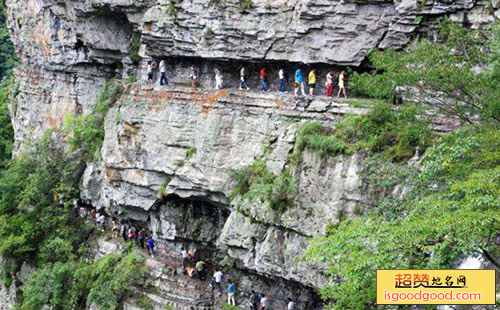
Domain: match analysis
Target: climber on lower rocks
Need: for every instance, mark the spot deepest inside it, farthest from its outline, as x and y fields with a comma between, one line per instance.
x=151, y=246
x=200, y=270
x=230, y=293
x=217, y=280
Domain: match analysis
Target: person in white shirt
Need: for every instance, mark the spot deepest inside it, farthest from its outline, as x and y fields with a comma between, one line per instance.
x=291, y=304
x=185, y=259
x=243, y=79
x=264, y=301
x=281, y=75
x=193, y=76
x=217, y=280
x=163, y=72
x=218, y=78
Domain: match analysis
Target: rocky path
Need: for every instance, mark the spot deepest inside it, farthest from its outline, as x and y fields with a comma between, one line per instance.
x=169, y=286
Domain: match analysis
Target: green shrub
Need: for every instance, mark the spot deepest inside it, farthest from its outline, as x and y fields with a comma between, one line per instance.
x=171, y=8
x=257, y=183
x=144, y=303
x=131, y=79
x=246, y=4
x=105, y=282
x=28, y=190
x=7, y=280
x=56, y=250
x=229, y=263
x=190, y=152
x=163, y=188
x=134, y=48
x=318, y=138
x=225, y=306
x=395, y=133
x=8, y=57
x=208, y=32
x=87, y=131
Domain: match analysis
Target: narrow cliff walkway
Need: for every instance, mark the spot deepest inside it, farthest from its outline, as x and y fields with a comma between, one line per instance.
x=169, y=286
x=318, y=107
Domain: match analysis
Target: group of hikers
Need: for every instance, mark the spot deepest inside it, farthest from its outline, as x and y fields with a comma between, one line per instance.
x=194, y=268
x=129, y=232
x=299, y=81
x=199, y=269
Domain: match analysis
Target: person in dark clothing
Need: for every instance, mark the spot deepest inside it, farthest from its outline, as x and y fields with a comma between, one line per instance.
x=141, y=236
x=163, y=73
x=254, y=300
x=123, y=231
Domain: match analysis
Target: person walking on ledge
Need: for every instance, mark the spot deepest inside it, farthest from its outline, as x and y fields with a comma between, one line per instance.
x=263, y=78
x=184, y=259
x=163, y=72
x=312, y=82
x=329, y=84
x=254, y=300
x=218, y=77
x=299, y=83
x=281, y=75
x=264, y=302
x=141, y=236
x=193, y=76
x=342, y=85
x=150, y=72
x=243, y=79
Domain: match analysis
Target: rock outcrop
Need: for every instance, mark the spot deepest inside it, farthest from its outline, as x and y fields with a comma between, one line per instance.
x=227, y=131
x=68, y=49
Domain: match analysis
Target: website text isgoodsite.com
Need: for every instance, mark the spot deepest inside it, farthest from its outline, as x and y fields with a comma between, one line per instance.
x=420, y=296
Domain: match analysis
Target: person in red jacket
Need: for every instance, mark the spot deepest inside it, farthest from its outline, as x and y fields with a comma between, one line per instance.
x=263, y=79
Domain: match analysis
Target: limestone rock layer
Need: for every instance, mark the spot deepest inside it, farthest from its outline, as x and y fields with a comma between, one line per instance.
x=67, y=49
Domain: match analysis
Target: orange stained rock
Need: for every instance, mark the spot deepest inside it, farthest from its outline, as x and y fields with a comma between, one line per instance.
x=279, y=102
x=43, y=41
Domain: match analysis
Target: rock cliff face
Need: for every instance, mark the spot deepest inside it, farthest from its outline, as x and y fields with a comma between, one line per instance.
x=68, y=49
x=147, y=135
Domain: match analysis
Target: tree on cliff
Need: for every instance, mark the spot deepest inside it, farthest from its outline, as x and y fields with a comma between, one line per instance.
x=7, y=61
x=450, y=208
x=8, y=58
x=459, y=75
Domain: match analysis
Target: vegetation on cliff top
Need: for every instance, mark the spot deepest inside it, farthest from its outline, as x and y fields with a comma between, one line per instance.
x=394, y=133
x=464, y=67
